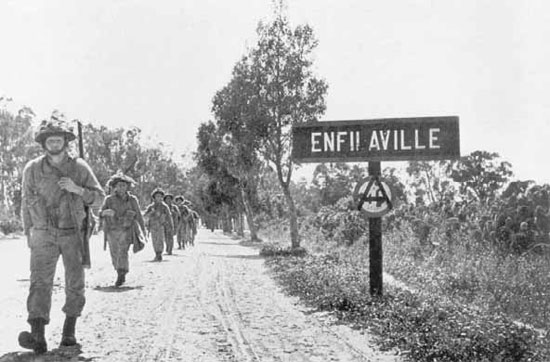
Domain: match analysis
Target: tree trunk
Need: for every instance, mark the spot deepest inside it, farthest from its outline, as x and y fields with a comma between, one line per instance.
x=292, y=217
x=249, y=216
x=226, y=220
x=239, y=224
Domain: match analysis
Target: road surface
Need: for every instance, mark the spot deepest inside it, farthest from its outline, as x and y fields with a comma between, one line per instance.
x=212, y=302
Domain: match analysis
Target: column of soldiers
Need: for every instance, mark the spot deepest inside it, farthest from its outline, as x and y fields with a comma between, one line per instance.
x=57, y=192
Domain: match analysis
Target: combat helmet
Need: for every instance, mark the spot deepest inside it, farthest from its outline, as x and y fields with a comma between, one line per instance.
x=120, y=177
x=179, y=198
x=55, y=126
x=167, y=195
x=158, y=190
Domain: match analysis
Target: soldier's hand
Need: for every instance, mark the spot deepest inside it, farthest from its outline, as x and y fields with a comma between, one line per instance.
x=66, y=183
x=108, y=212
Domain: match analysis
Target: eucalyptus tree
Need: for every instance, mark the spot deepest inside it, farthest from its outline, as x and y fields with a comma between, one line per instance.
x=17, y=146
x=288, y=93
x=223, y=189
x=482, y=174
x=236, y=111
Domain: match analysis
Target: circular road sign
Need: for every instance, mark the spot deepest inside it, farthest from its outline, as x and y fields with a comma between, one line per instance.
x=371, y=199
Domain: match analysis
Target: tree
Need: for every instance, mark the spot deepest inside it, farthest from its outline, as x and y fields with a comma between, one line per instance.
x=288, y=93
x=482, y=174
x=235, y=109
x=222, y=190
x=17, y=146
x=431, y=179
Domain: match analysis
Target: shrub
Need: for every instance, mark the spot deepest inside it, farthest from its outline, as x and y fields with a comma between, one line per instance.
x=427, y=328
x=10, y=225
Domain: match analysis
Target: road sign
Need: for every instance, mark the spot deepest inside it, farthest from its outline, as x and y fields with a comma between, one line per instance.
x=374, y=196
x=389, y=139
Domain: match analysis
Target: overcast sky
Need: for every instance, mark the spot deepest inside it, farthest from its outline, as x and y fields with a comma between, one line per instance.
x=157, y=64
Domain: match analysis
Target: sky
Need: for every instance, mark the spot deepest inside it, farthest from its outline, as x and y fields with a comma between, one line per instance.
x=157, y=65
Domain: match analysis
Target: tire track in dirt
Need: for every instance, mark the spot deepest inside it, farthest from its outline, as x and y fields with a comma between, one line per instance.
x=232, y=320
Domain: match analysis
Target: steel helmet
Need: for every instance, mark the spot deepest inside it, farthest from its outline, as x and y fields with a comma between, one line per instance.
x=55, y=126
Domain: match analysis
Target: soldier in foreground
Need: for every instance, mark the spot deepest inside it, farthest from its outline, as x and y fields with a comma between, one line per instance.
x=159, y=222
x=122, y=218
x=56, y=188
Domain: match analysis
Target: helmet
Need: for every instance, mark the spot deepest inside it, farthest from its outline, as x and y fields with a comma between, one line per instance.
x=55, y=126
x=120, y=177
x=168, y=195
x=179, y=198
x=158, y=190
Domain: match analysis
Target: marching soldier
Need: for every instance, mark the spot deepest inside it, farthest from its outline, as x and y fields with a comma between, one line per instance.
x=121, y=216
x=181, y=228
x=56, y=188
x=169, y=237
x=159, y=219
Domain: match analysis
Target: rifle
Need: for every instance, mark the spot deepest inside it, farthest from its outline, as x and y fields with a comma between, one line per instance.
x=87, y=226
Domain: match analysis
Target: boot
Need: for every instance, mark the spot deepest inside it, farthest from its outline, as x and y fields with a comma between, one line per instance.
x=68, y=339
x=121, y=279
x=158, y=256
x=34, y=340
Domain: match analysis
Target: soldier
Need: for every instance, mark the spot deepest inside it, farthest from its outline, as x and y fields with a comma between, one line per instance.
x=193, y=223
x=175, y=221
x=159, y=219
x=121, y=214
x=55, y=190
x=181, y=229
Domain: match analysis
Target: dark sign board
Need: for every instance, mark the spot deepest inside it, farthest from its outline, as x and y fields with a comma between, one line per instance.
x=389, y=139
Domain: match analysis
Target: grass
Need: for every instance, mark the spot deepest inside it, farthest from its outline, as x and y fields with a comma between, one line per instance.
x=465, y=304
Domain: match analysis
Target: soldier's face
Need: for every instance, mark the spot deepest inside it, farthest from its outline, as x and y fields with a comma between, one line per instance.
x=55, y=145
x=158, y=197
x=121, y=188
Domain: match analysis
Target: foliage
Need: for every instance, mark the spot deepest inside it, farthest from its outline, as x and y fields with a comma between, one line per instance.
x=424, y=328
x=482, y=174
x=16, y=148
x=289, y=93
x=341, y=222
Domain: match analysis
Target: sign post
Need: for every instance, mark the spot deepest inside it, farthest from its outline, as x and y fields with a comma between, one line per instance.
x=390, y=139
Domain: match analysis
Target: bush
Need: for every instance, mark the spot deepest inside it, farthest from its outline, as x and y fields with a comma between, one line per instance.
x=340, y=222
x=10, y=225
x=428, y=329
x=271, y=250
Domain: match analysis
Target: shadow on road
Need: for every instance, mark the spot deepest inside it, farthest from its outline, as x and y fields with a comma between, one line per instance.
x=113, y=289
x=252, y=257
x=65, y=354
x=217, y=243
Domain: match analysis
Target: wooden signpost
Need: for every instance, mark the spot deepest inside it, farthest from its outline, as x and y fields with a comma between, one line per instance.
x=373, y=141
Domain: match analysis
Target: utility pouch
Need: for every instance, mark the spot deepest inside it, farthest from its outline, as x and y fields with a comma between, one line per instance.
x=128, y=218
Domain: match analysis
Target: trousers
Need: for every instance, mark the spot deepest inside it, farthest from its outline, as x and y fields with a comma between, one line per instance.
x=119, y=244
x=46, y=247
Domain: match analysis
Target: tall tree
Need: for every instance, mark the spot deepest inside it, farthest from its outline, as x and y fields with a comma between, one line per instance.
x=17, y=146
x=289, y=93
x=482, y=174
x=235, y=110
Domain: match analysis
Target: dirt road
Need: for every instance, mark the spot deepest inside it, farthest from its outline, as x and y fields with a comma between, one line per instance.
x=212, y=302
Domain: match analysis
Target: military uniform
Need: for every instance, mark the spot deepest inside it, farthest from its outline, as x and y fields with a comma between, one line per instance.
x=119, y=224
x=53, y=217
x=181, y=227
x=169, y=237
x=159, y=221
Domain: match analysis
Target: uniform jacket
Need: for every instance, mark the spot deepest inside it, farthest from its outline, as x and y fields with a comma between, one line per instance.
x=45, y=205
x=159, y=215
x=126, y=210
x=176, y=217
